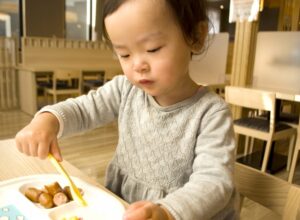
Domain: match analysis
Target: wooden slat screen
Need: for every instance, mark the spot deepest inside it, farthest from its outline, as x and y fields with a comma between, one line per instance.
x=8, y=75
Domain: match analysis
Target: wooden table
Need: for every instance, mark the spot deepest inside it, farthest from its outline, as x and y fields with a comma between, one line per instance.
x=288, y=94
x=14, y=164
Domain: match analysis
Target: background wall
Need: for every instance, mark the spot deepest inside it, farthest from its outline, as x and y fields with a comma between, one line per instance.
x=44, y=18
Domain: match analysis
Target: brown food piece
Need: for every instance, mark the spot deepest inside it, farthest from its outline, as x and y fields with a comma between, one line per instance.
x=67, y=191
x=33, y=194
x=46, y=200
x=60, y=198
x=53, y=188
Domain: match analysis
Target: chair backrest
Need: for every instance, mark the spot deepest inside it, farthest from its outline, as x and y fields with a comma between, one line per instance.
x=72, y=76
x=269, y=191
x=43, y=76
x=93, y=75
x=253, y=99
x=218, y=89
x=250, y=98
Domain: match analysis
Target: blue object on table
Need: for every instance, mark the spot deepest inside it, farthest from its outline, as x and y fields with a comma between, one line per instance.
x=12, y=213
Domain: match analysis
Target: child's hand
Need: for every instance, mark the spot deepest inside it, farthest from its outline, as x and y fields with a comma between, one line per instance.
x=39, y=137
x=144, y=210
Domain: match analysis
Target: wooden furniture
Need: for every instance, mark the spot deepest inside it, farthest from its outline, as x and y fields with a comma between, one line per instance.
x=92, y=80
x=218, y=89
x=14, y=164
x=295, y=156
x=43, y=80
x=8, y=76
x=293, y=95
x=256, y=127
x=28, y=88
x=65, y=82
x=269, y=191
x=51, y=54
x=59, y=53
x=28, y=85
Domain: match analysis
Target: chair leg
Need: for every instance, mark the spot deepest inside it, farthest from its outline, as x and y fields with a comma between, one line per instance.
x=47, y=98
x=266, y=156
x=293, y=165
x=54, y=98
x=242, y=198
x=246, y=150
x=236, y=143
x=290, y=152
x=251, y=144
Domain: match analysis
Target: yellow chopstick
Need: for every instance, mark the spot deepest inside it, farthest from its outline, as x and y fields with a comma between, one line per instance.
x=74, y=190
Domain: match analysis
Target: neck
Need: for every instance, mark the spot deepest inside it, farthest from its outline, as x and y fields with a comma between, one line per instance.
x=187, y=90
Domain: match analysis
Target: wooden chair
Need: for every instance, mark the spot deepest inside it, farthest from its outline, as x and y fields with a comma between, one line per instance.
x=218, y=89
x=92, y=80
x=43, y=80
x=257, y=127
x=65, y=82
x=295, y=157
x=269, y=191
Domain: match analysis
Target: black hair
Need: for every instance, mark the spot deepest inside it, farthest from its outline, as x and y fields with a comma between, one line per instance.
x=189, y=14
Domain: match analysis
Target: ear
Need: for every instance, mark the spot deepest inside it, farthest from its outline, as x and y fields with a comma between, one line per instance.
x=200, y=35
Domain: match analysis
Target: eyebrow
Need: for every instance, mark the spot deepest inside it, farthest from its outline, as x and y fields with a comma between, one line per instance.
x=141, y=39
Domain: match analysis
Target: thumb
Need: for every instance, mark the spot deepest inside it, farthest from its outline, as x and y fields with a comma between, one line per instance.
x=55, y=150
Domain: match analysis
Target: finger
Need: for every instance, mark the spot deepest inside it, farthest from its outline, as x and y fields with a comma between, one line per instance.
x=33, y=149
x=141, y=213
x=18, y=145
x=25, y=148
x=21, y=142
x=159, y=212
x=43, y=150
x=136, y=205
x=55, y=150
x=138, y=214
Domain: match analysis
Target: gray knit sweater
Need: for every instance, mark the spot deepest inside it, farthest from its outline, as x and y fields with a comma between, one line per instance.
x=180, y=156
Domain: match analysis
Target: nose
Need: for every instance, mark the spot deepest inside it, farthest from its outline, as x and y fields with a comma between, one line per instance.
x=140, y=65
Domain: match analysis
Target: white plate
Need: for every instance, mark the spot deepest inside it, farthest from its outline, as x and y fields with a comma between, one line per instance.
x=14, y=204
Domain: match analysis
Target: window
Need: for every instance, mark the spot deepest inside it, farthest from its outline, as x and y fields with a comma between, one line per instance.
x=9, y=18
x=218, y=12
x=80, y=19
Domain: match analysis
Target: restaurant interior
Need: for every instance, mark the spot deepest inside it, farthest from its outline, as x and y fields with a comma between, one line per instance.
x=53, y=50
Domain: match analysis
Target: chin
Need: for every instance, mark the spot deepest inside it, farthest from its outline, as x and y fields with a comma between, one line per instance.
x=150, y=92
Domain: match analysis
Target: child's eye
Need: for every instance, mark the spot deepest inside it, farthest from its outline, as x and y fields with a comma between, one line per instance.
x=124, y=56
x=154, y=50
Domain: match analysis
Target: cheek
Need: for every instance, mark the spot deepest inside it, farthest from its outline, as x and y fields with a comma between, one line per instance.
x=124, y=66
x=172, y=67
x=161, y=66
x=127, y=71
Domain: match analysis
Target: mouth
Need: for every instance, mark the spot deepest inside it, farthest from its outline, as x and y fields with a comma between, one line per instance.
x=145, y=82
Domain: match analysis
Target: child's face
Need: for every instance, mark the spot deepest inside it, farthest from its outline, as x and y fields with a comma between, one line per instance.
x=151, y=48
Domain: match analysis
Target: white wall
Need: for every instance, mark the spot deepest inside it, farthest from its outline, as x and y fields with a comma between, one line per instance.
x=277, y=60
x=210, y=67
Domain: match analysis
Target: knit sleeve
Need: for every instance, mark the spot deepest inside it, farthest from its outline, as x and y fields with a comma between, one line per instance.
x=210, y=187
x=89, y=111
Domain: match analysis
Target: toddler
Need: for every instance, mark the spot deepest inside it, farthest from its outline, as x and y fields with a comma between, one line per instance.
x=175, y=153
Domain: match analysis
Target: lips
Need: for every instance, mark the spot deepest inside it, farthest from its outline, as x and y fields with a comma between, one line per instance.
x=145, y=81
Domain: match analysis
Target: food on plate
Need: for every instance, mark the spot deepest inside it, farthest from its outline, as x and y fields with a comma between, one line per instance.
x=46, y=200
x=60, y=198
x=67, y=191
x=51, y=195
x=53, y=188
x=33, y=194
